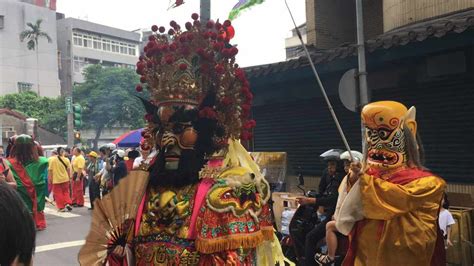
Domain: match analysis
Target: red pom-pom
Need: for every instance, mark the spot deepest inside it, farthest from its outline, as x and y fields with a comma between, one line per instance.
x=185, y=51
x=151, y=37
x=200, y=51
x=195, y=16
x=169, y=59
x=143, y=79
x=173, y=47
x=219, y=69
x=190, y=37
x=227, y=101
x=234, y=51
x=245, y=135
x=164, y=47
x=139, y=88
x=246, y=107
x=162, y=29
x=182, y=39
x=197, y=23
x=150, y=45
x=208, y=112
x=154, y=28
x=226, y=52
x=183, y=66
x=217, y=47
x=245, y=90
x=171, y=32
x=173, y=23
x=188, y=25
x=227, y=23
x=210, y=24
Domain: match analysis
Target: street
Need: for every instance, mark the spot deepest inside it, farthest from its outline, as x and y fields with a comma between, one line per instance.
x=60, y=243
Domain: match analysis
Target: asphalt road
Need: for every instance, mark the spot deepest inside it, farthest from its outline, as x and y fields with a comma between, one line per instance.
x=60, y=243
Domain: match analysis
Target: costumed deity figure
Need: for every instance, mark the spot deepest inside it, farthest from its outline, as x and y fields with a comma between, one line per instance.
x=395, y=203
x=204, y=200
x=29, y=170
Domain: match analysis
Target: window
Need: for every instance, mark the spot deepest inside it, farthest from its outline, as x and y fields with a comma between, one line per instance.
x=24, y=86
x=106, y=45
x=97, y=43
x=2, y=21
x=115, y=47
x=79, y=64
x=77, y=39
x=132, y=50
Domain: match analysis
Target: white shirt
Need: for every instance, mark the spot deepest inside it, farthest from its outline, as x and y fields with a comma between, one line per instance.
x=137, y=162
x=445, y=219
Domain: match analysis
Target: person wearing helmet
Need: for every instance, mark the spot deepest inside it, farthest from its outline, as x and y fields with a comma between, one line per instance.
x=331, y=230
x=325, y=202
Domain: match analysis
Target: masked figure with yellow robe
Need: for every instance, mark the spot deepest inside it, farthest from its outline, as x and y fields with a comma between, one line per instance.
x=392, y=210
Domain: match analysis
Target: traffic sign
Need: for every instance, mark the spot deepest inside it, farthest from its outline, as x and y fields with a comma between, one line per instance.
x=68, y=105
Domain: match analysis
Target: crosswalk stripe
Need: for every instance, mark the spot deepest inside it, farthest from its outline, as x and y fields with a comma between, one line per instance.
x=59, y=246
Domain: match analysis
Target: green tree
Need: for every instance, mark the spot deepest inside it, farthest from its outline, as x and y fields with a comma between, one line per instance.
x=50, y=112
x=32, y=35
x=108, y=99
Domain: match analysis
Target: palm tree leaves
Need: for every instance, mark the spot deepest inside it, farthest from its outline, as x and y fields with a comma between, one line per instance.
x=33, y=34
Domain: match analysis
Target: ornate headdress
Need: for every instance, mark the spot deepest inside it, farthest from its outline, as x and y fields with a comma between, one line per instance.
x=187, y=66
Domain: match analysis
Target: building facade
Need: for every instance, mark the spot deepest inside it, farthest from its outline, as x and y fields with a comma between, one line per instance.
x=293, y=44
x=82, y=43
x=22, y=69
x=428, y=63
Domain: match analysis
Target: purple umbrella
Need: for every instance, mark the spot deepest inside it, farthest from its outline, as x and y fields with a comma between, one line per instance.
x=130, y=139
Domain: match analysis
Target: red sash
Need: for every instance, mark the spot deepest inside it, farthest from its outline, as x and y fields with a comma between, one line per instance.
x=27, y=183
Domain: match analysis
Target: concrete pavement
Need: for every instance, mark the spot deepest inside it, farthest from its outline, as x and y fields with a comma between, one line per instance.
x=60, y=243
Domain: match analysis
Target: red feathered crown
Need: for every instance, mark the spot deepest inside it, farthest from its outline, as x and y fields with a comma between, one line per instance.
x=184, y=66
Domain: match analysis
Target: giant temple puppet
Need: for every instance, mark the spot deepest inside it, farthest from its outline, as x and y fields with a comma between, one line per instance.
x=199, y=198
x=391, y=213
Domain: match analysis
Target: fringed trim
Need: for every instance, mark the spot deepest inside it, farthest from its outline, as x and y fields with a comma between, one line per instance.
x=267, y=233
x=230, y=242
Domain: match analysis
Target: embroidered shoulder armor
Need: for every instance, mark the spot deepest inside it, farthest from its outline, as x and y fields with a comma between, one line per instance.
x=235, y=214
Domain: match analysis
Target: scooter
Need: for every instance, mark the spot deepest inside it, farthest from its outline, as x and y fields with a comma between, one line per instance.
x=303, y=221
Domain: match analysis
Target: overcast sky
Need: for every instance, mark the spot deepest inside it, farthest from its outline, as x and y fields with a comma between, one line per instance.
x=260, y=31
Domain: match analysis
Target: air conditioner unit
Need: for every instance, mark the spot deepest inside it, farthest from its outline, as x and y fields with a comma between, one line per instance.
x=8, y=134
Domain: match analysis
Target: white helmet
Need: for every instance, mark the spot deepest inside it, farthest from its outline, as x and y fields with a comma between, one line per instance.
x=357, y=156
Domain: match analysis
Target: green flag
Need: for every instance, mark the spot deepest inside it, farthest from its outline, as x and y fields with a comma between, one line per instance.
x=241, y=5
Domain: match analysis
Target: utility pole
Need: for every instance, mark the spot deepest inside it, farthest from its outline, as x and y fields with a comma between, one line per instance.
x=364, y=93
x=205, y=11
x=69, y=99
x=362, y=73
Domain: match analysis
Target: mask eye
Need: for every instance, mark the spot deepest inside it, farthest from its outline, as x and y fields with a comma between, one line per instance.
x=383, y=134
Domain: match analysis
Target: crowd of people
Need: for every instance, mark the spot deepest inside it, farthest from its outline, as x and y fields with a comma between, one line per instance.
x=62, y=178
x=72, y=170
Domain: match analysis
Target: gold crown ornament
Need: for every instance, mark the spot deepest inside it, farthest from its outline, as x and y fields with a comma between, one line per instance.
x=185, y=66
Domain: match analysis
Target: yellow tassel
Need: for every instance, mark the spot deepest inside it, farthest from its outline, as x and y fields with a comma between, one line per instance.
x=208, y=246
x=267, y=233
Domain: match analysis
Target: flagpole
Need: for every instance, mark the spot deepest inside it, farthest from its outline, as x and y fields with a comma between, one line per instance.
x=205, y=11
x=323, y=91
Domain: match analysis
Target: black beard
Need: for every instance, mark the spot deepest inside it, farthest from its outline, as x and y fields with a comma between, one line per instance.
x=190, y=163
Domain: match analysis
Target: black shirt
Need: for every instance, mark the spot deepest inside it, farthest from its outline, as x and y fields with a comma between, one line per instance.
x=328, y=191
x=119, y=171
